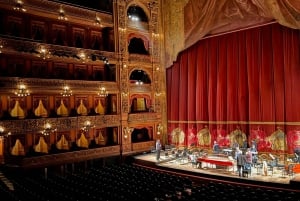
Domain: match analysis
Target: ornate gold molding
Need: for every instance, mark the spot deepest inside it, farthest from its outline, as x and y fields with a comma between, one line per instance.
x=69, y=157
x=60, y=123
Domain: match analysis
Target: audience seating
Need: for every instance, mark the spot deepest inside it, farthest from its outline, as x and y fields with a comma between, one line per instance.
x=128, y=182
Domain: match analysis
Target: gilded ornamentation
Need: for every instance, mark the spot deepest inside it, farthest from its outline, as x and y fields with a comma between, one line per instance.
x=237, y=136
x=204, y=137
x=277, y=140
x=177, y=136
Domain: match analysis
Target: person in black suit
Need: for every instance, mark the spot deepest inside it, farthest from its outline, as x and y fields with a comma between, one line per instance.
x=158, y=149
x=240, y=161
x=216, y=147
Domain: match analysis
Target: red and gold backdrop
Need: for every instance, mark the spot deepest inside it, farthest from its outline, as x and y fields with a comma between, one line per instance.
x=248, y=79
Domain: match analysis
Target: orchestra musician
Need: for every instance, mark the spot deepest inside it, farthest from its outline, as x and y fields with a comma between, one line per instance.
x=240, y=161
x=254, y=152
x=216, y=147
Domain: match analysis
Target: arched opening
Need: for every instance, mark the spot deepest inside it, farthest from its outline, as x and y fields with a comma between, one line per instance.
x=136, y=13
x=136, y=46
x=139, y=76
x=140, y=135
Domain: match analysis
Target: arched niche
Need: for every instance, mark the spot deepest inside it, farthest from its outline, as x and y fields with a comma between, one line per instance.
x=140, y=103
x=136, y=13
x=137, y=46
x=139, y=76
x=142, y=134
x=138, y=19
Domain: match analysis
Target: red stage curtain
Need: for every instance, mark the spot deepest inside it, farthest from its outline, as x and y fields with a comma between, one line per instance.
x=248, y=79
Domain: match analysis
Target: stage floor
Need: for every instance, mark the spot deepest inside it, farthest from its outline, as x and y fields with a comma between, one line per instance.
x=170, y=162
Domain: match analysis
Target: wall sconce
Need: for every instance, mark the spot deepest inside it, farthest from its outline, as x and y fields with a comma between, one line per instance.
x=122, y=30
x=159, y=129
x=139, y=82
x=87, y=125
x=155, y=35
x=66, y=91
x=21, y=90
x=19, y=6
x=48, y=129
x=1, y=130
x=82, y=57
x=124, y=94
x=102, y=92
x=157, y=93
x=157, y=90
x=97, y=20
x=3, y=133
x=61, y=14
x=127, y=131
x=44, y=53
x=1, y=47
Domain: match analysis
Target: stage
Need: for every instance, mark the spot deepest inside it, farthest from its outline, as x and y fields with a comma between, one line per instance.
x=211, y=171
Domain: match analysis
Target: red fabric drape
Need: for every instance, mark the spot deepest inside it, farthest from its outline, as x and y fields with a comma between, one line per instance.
x=248, y=79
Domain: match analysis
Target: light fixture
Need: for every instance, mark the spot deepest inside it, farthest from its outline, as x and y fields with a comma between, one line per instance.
x=87, y=126
x=127, y=131
x=3, y=133
x=105, y=60
x=133, y=14
x=66, y=91
x=139, y=82
x=48, y=129
x=102, y=92
x=1, y=130
x=44, y=53
x=61, y=14
x=124, y=94
x=97, y=20
x=19, y=6
x=82, y=57
x=1, y=47
x=22, y=91
x=157, y=91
